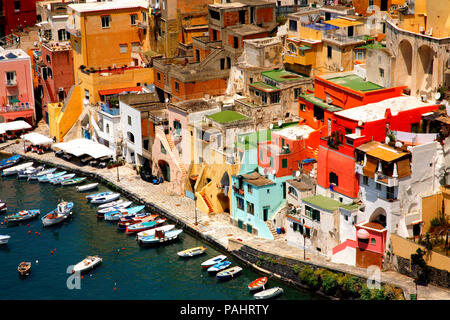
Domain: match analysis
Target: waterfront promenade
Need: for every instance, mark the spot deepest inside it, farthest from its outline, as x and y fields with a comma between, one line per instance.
x=215, y=228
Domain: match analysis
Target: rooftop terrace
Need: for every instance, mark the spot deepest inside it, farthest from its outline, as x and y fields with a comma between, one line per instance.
x=355, y=82
x=322, y=202
x=227, y=116
x=282, y=75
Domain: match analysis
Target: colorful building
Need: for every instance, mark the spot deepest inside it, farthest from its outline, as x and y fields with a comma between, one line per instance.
x=16, y=14
x=16, y=87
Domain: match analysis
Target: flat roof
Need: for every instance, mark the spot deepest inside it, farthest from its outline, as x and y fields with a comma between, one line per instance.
x=355, y=82
x=110, y=5
x=245, y=29
x=227, y=116
x=386, y=153
x=264, y=86
x=377, y=111
x=282, y=75
x=257, y=180
x=343, y=23
x=319, y=102
x=323, y=202
x=298, y=132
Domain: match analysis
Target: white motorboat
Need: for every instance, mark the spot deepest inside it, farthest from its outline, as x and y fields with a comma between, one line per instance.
x=62, y=178
x=269, y=293
x=29, y=172
x=3, y=206
x=121, y=205
x=87, y=187
x=41, y=174
x=151, y=232
x=4, y=239
x=213, y=261
x=58, y=215
x=16, y=169
x=87, y=264
x=111, y=204
x=106, y=198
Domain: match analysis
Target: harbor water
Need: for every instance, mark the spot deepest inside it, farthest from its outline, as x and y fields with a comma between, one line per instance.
x=128, y=271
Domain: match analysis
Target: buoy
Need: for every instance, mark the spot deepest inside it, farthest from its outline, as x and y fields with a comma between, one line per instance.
x=39, y=234
x=35, y=232
x=114, y=288
x=51, y=252
x=82, y=277
x=29, y=231
x=37, y=261
x=123, y=248
x=28, y=224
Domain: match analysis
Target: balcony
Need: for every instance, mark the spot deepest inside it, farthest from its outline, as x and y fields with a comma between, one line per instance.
x=15, y=108
x=359, y=168
x=111, y=111
x=11, y=83
x=307, y=59
x=342, y=39
x=142, y=24
x=70, y=28
x=386, y=180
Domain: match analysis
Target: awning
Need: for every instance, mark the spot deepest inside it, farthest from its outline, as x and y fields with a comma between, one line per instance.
x=117, y=91
x=370, y=167
x=80, y=147
x=403, y=168
x=14, y=125
x=36, y=138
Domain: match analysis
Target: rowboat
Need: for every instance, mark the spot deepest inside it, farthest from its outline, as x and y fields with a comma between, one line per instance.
x=73, y=181
x=3, y=206
x=49, y=176
x=41, y=173
x=4, y=238
x=142, y=226
x=29, y=171
x=94, y=195
x=87, y=264
x=24, y=268
x=218, y=267
x=160, y=237
x=62, y=178
x=57, y=215
x=6, y=163
x=106, y=198
x=122, y=213
x=229, y=273
x=22, y=215
x=269, y=293
x=151, y=232
x=257, y=284
x=209, y=263
x=141, y=217
x=87, y=187
x=122, y=204
x=112, y=204
x=16, y=169
x=191, y=252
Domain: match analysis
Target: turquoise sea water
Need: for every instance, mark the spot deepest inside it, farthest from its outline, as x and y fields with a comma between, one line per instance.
x=128, y=270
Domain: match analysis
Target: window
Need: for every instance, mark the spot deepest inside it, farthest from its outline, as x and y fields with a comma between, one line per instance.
x=319, y=114
x=292, y=25
x=292, y=48
x=378, y=186
x=308, y=211
x=263, y=98
x=275, y=97
x=297, y=93
x=63, y=35
x=16, y=6
x=10, y=76
x=334, y=178
x=381, y=71
x=360, y=54
x=77, y=48
x=235, y=42
x=123, y=48
x=49, y=73
x=373, y=241
x=366, y=180
x=260, y=155
x=13, y=100
x=47, y=57
x=250, y=208
x=222, y=64
x=133, y=18
x=177, y=86
x=107, y=128
x=329, y=52
x=86, y=94
x=271, y=162
x=284, y=163
x=345, y=217
x=250, y=188
x=177, y=126
x=240, y=203
x=105, y=21
x=292, y=191
x=158, y=76
x=228, y=62
x=144, y=16
x=302, y=107
x=315, y=215
x=129, y=120
x=163, y=150
x=390, y=193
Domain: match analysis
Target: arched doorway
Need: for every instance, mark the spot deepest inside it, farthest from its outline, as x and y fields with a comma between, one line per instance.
x=379, y=216
x=165, y=170
x=225, y=201
x=404, y=64
x=424, y=70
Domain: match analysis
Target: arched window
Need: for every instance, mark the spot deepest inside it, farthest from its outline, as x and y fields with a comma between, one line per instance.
x=130, y=136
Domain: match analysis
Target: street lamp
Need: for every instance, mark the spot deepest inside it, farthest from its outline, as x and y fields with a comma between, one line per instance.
x=195, y=209
x=118, y=179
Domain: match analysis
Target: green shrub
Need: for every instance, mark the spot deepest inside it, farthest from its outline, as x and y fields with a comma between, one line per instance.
x=349, y=285
x=329, y=282
x=309, y=277
x=296, y=268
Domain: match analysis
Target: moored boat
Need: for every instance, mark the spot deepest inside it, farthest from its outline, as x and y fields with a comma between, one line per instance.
x=142, y=226
x=269, y=293
x=58, y=215
x=3, y=206
x=88, y=263
x=16, y=169
x=151, y=232
x=122, y=213
x=219, y=267
x=105, y=198
x=160, y=237
x=62, y=178
x=209, y=263
x=73, y=181
x=191, y=252
x=141, y=217
x=87, y=187
x=47, y=177
x=6, y=163
x=123, y=204
x=4, y=238
x=257, y=284
x=99, y=194
x=119, y=203
x=229, y=273
x=22, y=216
x=28, y=172
x=24, y=268
x=41, y=173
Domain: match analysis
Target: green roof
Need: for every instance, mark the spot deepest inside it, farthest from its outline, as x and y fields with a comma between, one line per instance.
x=227, y=116
x=322, y=202
x=350, y=207
x=373, y=45
x=319, y=102
x=264, y=86
x=355, y=82
x=251, y=140
x=285, y=125
x=282, y=75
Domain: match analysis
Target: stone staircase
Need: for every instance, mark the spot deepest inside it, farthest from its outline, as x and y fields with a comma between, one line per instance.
x=172, y=148
x=208, y=204
x=272, y=229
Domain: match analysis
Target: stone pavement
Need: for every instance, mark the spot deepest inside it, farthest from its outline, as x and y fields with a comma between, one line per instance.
x=217, y=227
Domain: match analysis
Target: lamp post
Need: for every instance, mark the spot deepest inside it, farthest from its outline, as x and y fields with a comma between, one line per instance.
x=195, y=209
x=304, y=246
x=118, y=179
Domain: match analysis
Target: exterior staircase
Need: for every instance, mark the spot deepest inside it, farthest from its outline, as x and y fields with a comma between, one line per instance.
x=208, y=204
x=172, y=147
x=272, y=229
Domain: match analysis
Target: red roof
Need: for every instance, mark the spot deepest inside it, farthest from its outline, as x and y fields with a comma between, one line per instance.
x=117, y=91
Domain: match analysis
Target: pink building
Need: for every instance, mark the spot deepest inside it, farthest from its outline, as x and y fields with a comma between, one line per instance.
x=16, y=87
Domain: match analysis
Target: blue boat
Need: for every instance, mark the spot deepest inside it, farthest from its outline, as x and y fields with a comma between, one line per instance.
x=229, y=273
x=50, y=176
x=100, y=194
x=57, y=215
x=122, y=213
x=6, y=163
x=160, y=237
x=142, y=226
x=218, y=267
x=22, y=216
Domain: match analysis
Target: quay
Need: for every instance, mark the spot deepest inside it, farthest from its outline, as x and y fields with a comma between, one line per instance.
x=216, y=229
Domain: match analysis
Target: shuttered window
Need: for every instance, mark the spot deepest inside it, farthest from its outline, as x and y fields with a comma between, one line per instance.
x=370, y=167
x=403, y=168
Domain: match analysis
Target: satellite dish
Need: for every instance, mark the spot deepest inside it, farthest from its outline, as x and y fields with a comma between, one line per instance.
x=437, y=96
x=271, y=126
x=280, y=123
x=167, y=100
x=297, y=174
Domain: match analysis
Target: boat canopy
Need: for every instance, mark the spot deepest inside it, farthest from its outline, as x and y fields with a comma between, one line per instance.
x=36, y=138
x=82, y=146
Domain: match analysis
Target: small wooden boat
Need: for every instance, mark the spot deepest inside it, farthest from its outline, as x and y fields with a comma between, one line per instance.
x=62, y=178
x=70, y=182
x=219, y=267
x=123, y=204
x=269, y=293
x=142, y=226
x=209, y=263
x=22, y=216
x=4, y=238
x=58, y=215
x=87, y=187
x=6, y=163
x=122, y=213
x=257, y=284
x=105, y=198
x=41, y=173
x=94, y=195
x=24, y=268
x=49, y=176
x=229, y=273
x=160, y=237
x=16, y=169
x=151, y=232
x=140, y=217
x=111, y=204
x=192, y=252
x=87, y=264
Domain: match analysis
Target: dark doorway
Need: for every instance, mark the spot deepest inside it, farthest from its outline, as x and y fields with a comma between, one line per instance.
x=242, y=17
x=165, y=169
x=383, y=5
x=266, y=214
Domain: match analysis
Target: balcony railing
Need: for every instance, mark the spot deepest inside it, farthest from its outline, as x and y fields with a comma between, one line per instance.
x=14, y=108
x=111, y=111
x=70, y=28
x=141, y=24
x=11, y=83
x=342, y=38
x=386, y=180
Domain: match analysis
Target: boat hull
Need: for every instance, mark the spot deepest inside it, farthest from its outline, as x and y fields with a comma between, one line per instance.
x=87, y=187
x=269, y=293
x=106, y=199
x=82, y=267
x=168, y=238
x=213, y=261
x=4, y=239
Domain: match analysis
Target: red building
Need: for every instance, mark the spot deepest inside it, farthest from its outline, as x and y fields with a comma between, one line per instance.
x=354, y=127
x=16, y=13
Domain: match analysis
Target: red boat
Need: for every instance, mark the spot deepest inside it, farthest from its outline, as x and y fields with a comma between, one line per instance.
x=257, y=284
x=124, y=223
